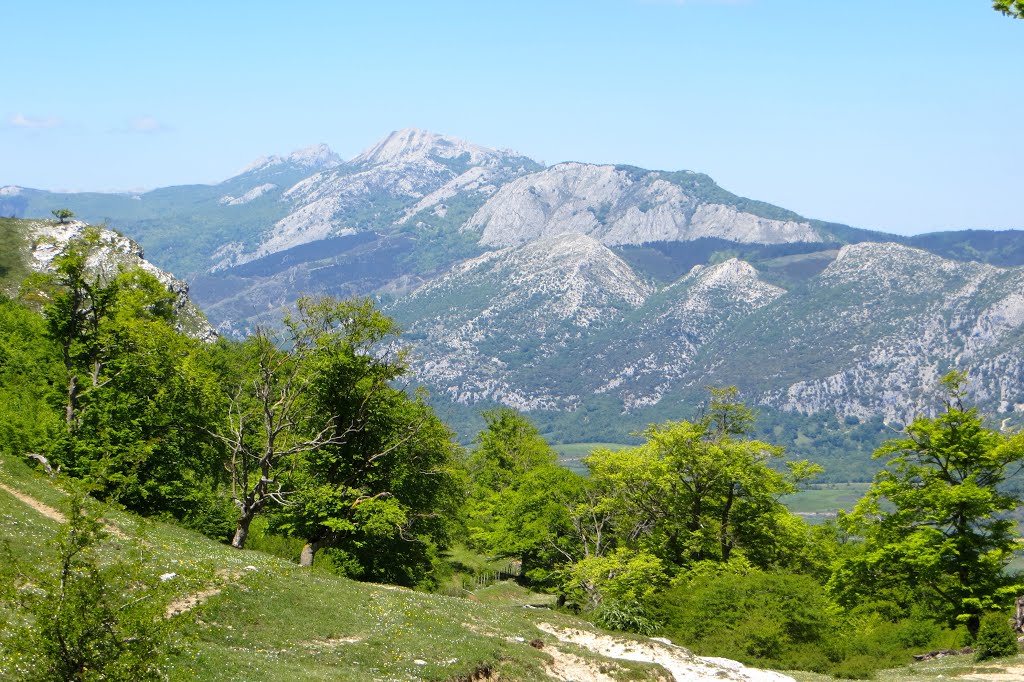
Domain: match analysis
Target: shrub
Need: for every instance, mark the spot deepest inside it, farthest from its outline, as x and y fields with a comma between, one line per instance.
x=995, y=638
x=625, y=616
x=754, y=617
x=89, y=622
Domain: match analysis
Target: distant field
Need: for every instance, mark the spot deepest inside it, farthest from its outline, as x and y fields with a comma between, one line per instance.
x=823, y=501
x=570, y=454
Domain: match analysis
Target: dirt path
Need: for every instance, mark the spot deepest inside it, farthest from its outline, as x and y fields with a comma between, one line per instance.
x=45, y=510
x=677, y=661
x=224, y=577
x=51, y=513
x=1011, y=674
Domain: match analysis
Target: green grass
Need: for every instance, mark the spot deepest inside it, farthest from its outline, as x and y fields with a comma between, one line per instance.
x=571, y=454
x=823, y=501
x=275, y=621
x=948, y=668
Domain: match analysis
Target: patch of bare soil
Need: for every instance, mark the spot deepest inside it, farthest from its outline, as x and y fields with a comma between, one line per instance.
x=191, y=601
x=1011, y=674
x=677, y=661
x=331, y=642
x=45, y=510
x=51, y=513
x=566, y=666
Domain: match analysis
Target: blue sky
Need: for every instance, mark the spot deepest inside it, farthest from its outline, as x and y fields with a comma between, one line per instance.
x=900, y=115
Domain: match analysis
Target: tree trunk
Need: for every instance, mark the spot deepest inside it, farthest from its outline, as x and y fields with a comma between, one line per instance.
x=242, y=531
x=69, y=411
x=309, y=551
x=723, y=536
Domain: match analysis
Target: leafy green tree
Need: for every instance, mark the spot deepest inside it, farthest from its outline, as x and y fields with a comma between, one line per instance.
x=388, y=497
x=63, y=215
x=698, y=490
x=996, y=638
x=30, y=382
x=139, y=395
x=507, y=447
x=89, y=622
x=316, y=430
x=548, y=520
x=935, y=522
x=622, y=575
x=80, y=301
x=1011, y=8
x=519, y=498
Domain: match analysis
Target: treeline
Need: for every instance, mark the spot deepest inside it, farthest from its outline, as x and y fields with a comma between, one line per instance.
x=308, y=427
x=685, y=536
x=307, y=437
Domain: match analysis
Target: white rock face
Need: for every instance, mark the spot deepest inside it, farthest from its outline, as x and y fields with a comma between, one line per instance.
x=10, y=191
x=919, y=315
x=478, y=179
x=254, y=193
x=576, y=306
x=409, y=171
x=617, y=207
x=551, y=324
x=415, y=146
x=115, y=253
x=546, y=296
x=679, y=663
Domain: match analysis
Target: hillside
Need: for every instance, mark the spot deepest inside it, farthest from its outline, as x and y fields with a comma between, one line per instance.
x=247, y=615
x=33, y=245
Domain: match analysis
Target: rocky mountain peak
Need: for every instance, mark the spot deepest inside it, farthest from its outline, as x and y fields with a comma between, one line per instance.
x=314, y=157
x=413, y=145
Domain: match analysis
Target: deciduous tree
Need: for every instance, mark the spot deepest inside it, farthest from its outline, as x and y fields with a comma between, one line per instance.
x=1011, y=8
x=935, y=521
x=698, y=490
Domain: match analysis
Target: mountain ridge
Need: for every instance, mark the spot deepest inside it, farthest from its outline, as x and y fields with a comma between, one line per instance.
x=597, y=296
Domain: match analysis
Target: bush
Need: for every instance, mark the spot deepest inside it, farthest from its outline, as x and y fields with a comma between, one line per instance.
x=88, y=622
x=625, y=617
x=786, y=621
x=756, y=618
x=996, y=638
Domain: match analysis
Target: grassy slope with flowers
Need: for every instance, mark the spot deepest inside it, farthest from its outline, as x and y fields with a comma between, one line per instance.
x=270, y=620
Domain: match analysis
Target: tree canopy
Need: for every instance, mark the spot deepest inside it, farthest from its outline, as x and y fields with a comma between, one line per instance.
x=935, y=522
x=1011, y=8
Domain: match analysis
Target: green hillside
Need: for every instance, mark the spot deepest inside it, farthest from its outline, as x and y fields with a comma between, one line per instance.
x=265, y=618
x=271, y=620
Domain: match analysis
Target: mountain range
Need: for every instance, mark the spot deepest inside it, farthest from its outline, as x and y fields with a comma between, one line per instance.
x=597, y=298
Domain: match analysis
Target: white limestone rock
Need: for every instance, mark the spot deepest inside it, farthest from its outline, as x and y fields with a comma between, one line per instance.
x=617, y=206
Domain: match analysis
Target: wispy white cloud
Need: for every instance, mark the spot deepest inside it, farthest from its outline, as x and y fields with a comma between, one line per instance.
x=34, y=123
x=146, y=125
